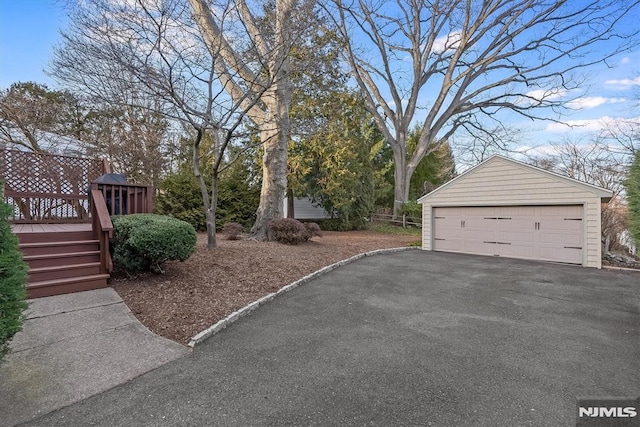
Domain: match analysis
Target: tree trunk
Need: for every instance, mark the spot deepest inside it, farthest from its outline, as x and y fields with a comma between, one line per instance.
x=211, y=214
x=209, y=205
x=274, y=138
x=275, y=128
x=401, y=178
x=290, y=204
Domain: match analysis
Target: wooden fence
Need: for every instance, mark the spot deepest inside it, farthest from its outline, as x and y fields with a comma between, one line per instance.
x=404, y=220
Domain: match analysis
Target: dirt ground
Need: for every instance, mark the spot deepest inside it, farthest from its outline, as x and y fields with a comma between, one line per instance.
x=195, y=294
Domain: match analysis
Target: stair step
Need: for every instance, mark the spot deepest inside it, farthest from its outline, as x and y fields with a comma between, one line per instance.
x=54, y=260
x=46, y=288
x=63, y=271
x=46, y=248
x=57, y=236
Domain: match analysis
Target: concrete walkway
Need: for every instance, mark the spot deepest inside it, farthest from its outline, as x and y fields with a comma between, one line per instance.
x=72, y=347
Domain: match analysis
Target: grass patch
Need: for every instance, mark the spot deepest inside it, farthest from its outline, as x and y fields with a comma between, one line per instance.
x=395, y=229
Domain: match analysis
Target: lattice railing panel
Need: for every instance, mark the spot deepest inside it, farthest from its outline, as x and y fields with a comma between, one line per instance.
x=46, y=187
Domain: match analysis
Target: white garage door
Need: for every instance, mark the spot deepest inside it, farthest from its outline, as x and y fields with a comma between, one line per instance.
x=552, y=233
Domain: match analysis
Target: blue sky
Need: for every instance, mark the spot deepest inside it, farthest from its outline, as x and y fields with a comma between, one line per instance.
x=28, y=32
x=29, y=29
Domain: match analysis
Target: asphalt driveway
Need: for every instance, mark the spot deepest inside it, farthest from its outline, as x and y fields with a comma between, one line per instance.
x=412, y=338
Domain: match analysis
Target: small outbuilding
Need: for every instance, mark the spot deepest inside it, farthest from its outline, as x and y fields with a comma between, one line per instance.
x=503, y=207
x=303, y=208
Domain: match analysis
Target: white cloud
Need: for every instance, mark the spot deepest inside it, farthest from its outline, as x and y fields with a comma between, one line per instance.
x=588, y=102
x=450, y=41
x=539, y=150
x=625, y=60
x=623, y=83
x=538, y=96
x=546, y=94
x=590, y=125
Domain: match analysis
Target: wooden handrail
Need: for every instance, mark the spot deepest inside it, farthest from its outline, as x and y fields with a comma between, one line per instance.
x=102, y=228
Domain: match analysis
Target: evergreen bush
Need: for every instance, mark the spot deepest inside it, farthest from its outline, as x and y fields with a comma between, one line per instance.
x=633, y=194
x=238, y=197
x=13, y=280
x=411, y=209
x=143, y=242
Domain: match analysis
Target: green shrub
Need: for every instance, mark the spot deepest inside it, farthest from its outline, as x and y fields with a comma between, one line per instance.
x=411, y=209
x=337, y=224
x=288, y=231
x=13, y=280
x=232, y=230
x=238, y=196
x=180, y=197
x=142, y=242
x=632, y=186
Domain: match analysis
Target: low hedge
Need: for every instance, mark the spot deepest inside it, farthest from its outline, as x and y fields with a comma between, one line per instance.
x=13, y=280
x=291, y=231
x=143, y=242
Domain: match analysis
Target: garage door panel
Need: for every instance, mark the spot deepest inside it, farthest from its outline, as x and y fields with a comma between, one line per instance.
x=561, y=239
x=559, y=225
x=480, y=247
x=452, y=245
x=515, y=236
x=448, y=226
x=557, y=254
x=517, y=250
x=552, y=233
x=517, y=223
x=479, y=234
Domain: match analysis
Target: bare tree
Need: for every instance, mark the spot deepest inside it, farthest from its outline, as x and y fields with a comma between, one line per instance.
x=264, y=74
x=594, y=163
x=34, y=118
x=134, y=140
x=147, y=54
x=623, y=135
x=456, y=65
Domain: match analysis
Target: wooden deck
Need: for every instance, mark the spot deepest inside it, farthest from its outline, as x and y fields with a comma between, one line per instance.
x=19, y=228
x=64, y=230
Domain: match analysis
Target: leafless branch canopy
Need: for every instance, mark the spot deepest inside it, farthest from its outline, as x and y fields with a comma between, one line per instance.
x=451, y=64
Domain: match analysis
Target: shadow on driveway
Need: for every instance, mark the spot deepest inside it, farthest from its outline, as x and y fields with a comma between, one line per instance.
x=413, y=338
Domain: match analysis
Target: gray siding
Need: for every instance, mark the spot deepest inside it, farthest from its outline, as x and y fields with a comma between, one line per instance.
x=303, y=208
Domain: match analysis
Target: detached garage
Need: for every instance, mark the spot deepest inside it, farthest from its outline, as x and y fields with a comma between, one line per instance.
x=503, y=207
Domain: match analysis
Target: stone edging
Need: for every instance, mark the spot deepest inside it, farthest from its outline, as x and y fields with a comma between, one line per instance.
x=614, y=268
x=220, y=325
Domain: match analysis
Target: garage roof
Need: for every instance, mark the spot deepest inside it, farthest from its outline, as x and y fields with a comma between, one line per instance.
x=603, y=193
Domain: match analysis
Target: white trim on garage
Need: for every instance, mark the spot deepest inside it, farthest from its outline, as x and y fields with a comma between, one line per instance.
x=503, y=182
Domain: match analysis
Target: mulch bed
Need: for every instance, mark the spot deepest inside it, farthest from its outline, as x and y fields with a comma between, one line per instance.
x=195, y=294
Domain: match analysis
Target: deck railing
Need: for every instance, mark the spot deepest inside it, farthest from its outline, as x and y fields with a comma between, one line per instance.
x=47, y=188
x=102, y=228
x=50, y=188
x=125, y=199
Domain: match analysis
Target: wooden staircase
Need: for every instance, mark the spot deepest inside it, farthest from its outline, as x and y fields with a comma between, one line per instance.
x=63, y=230
x=61, y=262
